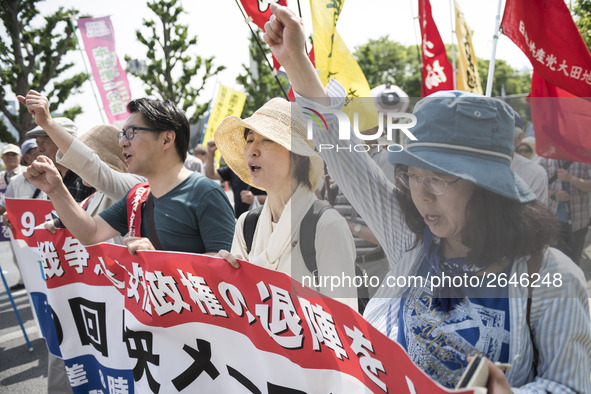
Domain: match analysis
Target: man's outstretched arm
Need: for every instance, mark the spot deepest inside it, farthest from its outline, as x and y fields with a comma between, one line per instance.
x=89, y=230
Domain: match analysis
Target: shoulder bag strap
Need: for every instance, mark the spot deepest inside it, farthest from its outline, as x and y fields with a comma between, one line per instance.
x=533, y=266
x=152, y=234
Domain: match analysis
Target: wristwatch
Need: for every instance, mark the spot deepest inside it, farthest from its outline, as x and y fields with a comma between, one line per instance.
x=356, y=229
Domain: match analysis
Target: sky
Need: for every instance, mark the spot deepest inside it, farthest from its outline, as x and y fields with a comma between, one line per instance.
x=222, y=32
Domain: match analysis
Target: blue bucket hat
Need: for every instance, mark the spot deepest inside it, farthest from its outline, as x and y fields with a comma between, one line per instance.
x=468, y=136
x=28, y=145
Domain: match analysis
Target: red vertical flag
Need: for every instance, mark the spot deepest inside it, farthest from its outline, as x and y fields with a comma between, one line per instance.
x=561, y=83
x=437, y=70
x=561, y=122
x=546, y=33
x=260, y=12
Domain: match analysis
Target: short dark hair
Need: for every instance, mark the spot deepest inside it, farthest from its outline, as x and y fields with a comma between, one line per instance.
x=164, y=115
x=496, y=227
x=300, y=169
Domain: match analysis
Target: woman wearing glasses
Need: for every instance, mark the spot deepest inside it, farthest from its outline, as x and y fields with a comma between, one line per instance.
x=527, y=148
x=457, y=211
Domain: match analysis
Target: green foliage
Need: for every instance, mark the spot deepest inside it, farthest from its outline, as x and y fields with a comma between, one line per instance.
x=34, y=58
x=5, y=135
x=385, y=61
x=172, y=68
x=516, y=84
x=581, y=10
x=505, y=76
x=258, y=82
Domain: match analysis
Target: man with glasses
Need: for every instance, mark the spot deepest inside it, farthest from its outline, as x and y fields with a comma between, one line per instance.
x=189, y=212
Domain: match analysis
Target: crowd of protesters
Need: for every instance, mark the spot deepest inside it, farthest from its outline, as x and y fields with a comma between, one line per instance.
x=467, y=197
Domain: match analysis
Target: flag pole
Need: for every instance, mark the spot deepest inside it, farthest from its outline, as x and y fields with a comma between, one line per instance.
x=300, y=12
x=453, y=50
x=91, y=79
x=256, y=38
x=414, y=28
x=491, y=66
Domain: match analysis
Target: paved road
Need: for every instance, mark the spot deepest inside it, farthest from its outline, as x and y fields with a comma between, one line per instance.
x=23, y=371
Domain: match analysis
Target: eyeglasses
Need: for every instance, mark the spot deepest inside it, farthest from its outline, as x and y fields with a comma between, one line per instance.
x=130, y=131
x=433, y=184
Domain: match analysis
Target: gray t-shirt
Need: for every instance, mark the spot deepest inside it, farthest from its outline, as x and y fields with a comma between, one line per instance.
x=195, y=217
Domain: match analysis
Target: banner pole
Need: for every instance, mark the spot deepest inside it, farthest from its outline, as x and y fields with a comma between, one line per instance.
x=414, y=28
x=300, y=12
x=18, y=316
x=491, y=66
x=453, y=48
x=91, y=78
x=262, y=51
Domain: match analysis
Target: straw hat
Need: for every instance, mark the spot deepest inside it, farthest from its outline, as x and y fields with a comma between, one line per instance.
x=104, y=142
x=280, y=121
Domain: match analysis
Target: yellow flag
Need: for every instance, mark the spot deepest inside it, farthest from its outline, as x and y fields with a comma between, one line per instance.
x=467, y=77
x=227, y=102
x=334, y=60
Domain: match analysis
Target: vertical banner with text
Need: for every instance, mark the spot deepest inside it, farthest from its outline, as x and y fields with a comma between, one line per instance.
x=111, y=80
x=468, y=79
x=227, y=102
x=333, y=59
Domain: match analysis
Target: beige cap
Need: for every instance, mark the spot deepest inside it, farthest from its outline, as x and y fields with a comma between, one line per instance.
x=8, y=148
x=64, y=122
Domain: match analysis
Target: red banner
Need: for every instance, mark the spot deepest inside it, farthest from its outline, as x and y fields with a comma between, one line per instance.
x=259, y=12
x=545, y=31
x=110, y=78
x=168, y=322
x=437, y=70
x=561, y=122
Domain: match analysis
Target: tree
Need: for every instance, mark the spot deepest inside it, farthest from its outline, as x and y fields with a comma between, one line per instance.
x=513, y=81
x=258, y=82
x=171, y=67
x=34, y=58
x=385, y=61
x=581, y=10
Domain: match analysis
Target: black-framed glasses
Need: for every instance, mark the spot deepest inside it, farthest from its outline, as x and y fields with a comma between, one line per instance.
x=130, y=131
x=433, y=184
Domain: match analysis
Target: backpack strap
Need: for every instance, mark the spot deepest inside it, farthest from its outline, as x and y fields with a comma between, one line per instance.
x=250, y=225
x=533, y=266
x=308, y=234
x=135, y=198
